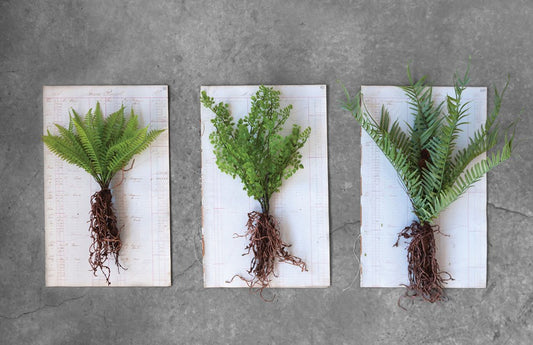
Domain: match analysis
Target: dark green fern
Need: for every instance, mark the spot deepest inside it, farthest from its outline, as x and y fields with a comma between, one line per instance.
x=432, y=175
x=423, y=157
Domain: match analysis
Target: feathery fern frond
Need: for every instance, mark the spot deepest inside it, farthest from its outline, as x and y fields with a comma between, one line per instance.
x=63, y=148
x=87, y=138
x=120, y=154
x=101, y=146
x=113, y=126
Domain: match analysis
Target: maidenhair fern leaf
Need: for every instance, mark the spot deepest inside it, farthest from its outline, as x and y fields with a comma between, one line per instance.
x=252, y=148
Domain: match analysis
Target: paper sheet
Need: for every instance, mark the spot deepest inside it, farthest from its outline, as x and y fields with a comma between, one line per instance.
x=141, y=200
x=301, y=206
x=386, y=210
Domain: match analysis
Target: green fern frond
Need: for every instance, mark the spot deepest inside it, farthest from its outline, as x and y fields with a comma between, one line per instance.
x=392, y=142
x=484, y=139
x=91, y=148
x=98, y=121
x=62, y=148
x=427, y=115
x=113, y=126
x=252, y=149
x=73, y=142
x=121, y=154
x=101, y=146
x=131, y=125
x=432, y=176
x=468, y=178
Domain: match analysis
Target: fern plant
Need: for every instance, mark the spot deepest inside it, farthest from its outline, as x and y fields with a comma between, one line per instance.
x=254, y=150
x=432, y=173
x=102, y=146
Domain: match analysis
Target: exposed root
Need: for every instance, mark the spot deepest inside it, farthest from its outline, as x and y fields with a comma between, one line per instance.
x=426, y=280
x=267, y=248
x=105, y=233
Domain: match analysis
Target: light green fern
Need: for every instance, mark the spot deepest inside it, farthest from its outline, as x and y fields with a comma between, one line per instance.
x=100, y=146
x=253, y=148
x=423, y=157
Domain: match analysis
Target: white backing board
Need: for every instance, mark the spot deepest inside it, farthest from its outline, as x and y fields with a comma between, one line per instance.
x=386, y=209
x=301, y=206
x=141, y=200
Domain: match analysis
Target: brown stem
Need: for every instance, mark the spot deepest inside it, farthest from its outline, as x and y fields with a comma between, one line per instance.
x=267, y=248
x=426, y=280
x=105, y=233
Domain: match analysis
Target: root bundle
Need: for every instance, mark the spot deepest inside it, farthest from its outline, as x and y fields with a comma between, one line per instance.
x=105, y=234
x=267, y=248
x=426, y=280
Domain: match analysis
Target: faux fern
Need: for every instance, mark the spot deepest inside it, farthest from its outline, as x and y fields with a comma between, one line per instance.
x=102, y=146
x=432, y=175
x=254, y=150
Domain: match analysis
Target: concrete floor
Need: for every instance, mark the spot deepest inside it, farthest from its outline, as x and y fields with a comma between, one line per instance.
x=186, y=44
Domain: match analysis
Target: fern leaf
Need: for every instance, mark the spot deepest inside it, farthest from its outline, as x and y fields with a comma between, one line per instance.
x=483, y=140
x=442, y=145
x=469, y=178
x=90, y=142
x=98, y=121
x=252, y=148
x=113, y=126
x=120, y=154
x=74, y=143
x=430, y=173
x=131, y=125
x=62, y=148
x=92, y=150
x=392, y=144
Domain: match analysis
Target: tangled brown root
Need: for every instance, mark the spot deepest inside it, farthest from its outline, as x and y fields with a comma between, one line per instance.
x=426, y=280
x=105, y=233
x=267, y=248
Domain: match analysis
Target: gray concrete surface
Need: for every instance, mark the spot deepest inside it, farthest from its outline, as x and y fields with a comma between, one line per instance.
x=189, y=43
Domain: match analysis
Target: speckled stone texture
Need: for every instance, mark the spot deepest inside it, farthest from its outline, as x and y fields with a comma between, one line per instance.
x=186, y=44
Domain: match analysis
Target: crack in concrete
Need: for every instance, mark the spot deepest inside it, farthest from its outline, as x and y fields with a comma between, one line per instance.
x=508, y=210
x=41, y=308
x=344, y=226
x=188, y=268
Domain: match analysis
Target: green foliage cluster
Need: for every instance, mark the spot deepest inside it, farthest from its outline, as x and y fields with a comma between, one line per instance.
x=253, y=149
x=101, y=146
x=432, y=175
